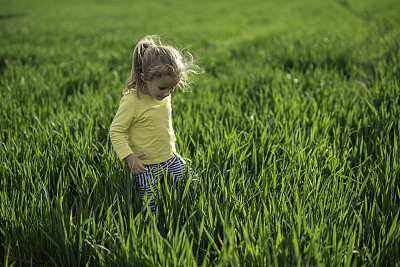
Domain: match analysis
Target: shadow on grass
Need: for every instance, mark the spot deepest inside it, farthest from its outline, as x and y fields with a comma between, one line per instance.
x=11, y=16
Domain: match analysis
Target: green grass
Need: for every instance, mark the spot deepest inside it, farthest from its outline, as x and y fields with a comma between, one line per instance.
x=293, y=131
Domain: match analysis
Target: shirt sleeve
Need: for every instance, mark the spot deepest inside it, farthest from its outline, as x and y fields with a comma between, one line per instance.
x=119, y=128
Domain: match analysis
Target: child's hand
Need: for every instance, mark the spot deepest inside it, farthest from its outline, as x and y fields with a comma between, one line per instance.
x=134, y=164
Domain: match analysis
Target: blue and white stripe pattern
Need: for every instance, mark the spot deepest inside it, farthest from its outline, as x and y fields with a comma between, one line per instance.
x=173, y=169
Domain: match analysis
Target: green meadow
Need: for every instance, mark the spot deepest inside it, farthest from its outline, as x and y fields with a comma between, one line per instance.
x=292, y=130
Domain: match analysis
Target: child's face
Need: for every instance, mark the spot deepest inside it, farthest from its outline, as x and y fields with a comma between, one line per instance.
x=160, y=88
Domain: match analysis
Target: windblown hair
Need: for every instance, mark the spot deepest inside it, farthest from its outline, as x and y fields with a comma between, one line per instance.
x=155, y=60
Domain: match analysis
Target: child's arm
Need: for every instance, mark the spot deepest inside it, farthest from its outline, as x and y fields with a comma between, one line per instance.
x=119, y=129
x=134, y=163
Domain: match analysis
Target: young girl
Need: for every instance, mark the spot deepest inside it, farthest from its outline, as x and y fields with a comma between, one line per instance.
x=141, y=132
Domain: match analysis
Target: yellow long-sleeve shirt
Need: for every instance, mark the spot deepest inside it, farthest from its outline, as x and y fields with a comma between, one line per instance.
x=143, y=126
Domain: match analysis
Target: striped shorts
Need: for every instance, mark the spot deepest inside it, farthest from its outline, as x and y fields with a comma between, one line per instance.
x=147, y=183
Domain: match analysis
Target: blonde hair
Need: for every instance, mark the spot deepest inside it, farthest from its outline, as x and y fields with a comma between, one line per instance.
x=155, y=60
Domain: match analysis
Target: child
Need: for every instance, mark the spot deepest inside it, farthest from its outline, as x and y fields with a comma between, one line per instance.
x=141, y=132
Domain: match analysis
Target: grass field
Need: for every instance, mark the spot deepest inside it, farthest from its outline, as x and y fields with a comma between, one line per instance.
x=293, y=130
